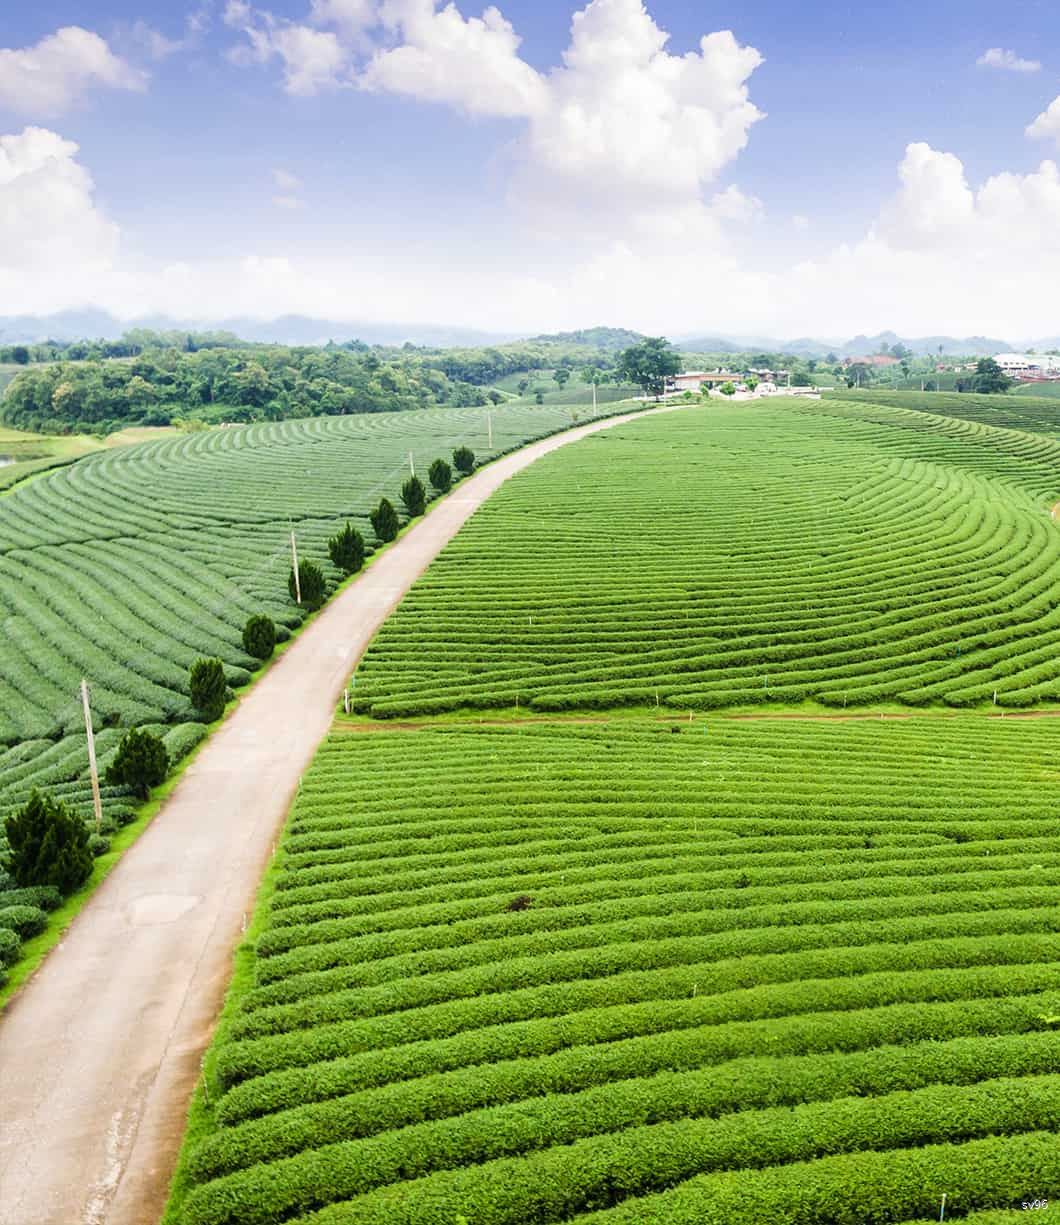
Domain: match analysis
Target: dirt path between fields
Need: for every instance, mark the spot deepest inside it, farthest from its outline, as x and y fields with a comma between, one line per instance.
x=100, y=1051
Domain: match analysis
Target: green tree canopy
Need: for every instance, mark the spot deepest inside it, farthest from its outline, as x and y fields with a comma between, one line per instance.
x=346, y=550
x=441, y=476
x=649, y=364
x=142, y=762
x=208, y=688
x=414, y=495
x=989, y=377
x=47, y=845
x=385, y=521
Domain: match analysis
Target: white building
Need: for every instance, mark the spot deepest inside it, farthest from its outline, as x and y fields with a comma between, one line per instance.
x=1029, y=365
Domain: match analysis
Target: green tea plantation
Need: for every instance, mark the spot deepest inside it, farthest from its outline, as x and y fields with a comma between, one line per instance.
x=632, y=971
x=127, y=566
x=827, y=552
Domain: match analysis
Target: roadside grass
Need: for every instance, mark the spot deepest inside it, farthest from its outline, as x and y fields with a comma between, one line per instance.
x=201, y=1120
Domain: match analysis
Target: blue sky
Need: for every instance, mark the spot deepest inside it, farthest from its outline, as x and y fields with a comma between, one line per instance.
x=426, y=171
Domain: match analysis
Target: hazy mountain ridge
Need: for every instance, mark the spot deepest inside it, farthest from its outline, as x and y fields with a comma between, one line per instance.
x=94, y=324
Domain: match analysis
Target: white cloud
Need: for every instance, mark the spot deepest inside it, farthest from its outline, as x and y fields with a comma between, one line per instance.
x=48, y=78
x=623, y=109
x=153, y=42
x=945, y=256
x=734, y=205
x=1007, y=61
x=472, y=64
x=313, y=60
x=53, y=238
x=935, y=205
x=141, y=38
x=621, y=134
x=1047, y=125
x=351, y=16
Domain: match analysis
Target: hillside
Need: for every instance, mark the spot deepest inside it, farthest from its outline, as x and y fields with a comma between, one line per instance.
x=829, y=552
x=621, y=975
x=132, y=563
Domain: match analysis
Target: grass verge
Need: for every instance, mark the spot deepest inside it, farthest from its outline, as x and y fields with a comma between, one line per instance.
x=201, y=1120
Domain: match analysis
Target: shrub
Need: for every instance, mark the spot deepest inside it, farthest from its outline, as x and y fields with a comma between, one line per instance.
x=259, y=636
x=347, y=550
x=464, y=460
x=385, y=521
x=441, y=476
x=98, y=844
x=142, y=762
x=209, y=689
x=10, y=947
x=48, y=845
x=310, y=583
x=414, y=496
x=25, y=921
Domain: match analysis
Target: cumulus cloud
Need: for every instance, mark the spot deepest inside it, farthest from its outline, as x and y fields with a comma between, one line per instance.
x=48, y=78
x=1007, y=61
x=945, y=255
x=1047, y=124
x=52, y=234
x=470, y=63
x=312, y=59
x=620, y=133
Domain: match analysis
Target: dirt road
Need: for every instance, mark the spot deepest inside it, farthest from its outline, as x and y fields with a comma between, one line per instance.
x=100, y=1052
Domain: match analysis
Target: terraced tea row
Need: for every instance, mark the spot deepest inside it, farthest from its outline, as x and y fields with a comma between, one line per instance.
x=132, y=563
x=1035, y=414
x=579, y=972
x=844, y=553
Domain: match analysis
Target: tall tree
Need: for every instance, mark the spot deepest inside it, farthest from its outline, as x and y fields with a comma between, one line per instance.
x=649, y=364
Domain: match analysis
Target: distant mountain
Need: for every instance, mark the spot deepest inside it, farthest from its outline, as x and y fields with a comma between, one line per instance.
x=858, y=346
x=94, y=324
x=713, y=344
x=91, y=324
x=609, y=339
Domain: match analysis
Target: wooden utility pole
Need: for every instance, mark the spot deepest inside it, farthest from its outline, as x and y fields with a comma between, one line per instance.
x=489, y=424
x=412, y=464
x=97, y=802
x=297, y=578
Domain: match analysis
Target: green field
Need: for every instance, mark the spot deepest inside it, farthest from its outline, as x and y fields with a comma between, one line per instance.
x=767, y=971
x=1033, y=414
x=814, y=551
x=127, y=566
x=1038, y=390
x=575, y=392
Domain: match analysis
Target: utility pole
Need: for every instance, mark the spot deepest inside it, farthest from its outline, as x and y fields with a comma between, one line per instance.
x=412, y=464
x=297, y=577
x=97, y=802
x=489, y=423
x=594, y=397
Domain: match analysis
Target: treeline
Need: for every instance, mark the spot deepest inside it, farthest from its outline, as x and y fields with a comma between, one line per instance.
x=131, y=344
x=481, y=367
x=250, y=383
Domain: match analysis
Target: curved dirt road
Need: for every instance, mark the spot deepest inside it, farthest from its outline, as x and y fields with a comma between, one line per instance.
x=101, y=1050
